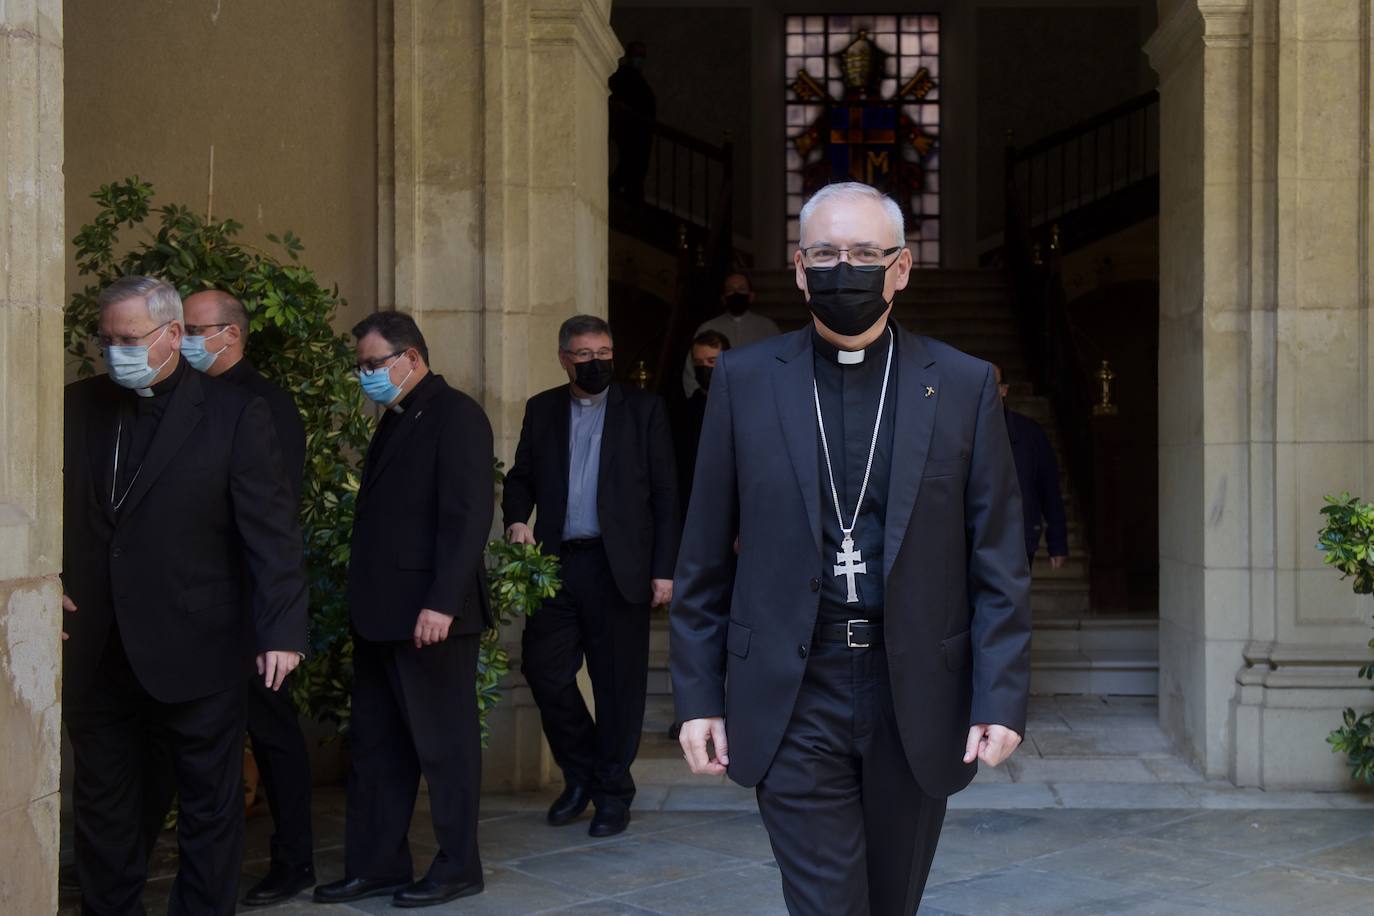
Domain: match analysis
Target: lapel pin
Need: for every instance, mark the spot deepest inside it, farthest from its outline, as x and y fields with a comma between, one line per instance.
x=930, y=391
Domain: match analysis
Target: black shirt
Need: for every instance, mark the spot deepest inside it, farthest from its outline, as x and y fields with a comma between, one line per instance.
x=139, y=417
x=286, y=418
x=849, y=395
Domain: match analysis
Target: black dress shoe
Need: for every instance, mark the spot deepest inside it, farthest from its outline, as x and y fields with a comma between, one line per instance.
x=357, y=889
x=428, y=892
x=609, y=821
x=569, y=806
x=281, y=884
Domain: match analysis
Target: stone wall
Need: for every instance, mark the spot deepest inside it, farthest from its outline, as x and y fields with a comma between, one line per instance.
x=1265, y=402
x=31, y=238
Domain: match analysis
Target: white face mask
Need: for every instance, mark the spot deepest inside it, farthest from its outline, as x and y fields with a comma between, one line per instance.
x=193, y=348
x=129, y=365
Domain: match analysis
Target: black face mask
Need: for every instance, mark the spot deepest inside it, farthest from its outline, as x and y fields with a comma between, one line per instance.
x=846, y=300
x=703, y=374
x=593, y=376
x=737, y=303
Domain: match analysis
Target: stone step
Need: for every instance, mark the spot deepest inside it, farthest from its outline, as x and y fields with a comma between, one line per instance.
x=1106, y=655
x=1055, y=599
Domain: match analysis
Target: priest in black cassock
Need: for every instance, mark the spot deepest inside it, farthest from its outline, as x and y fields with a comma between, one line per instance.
x=870, y=643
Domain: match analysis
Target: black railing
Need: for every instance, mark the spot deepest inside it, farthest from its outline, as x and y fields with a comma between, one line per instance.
x=1088, y=170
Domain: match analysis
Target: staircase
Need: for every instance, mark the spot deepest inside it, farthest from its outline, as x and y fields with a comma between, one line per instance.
x=1073, y=651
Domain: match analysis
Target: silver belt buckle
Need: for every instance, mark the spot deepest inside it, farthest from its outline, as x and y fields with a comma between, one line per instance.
x=849, y=635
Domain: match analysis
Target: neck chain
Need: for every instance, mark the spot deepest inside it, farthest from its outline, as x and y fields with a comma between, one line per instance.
x=849, y=560
x=114, y=479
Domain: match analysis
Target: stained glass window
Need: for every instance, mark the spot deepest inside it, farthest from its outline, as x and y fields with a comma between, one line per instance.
x=863, y=103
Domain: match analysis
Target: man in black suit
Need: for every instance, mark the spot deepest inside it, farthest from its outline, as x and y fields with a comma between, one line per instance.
x=215, y=343
x=596, y=459
x=418, y=602
x=1037, y=472
x=691, y=410
x=871, y=640
x=181, y=560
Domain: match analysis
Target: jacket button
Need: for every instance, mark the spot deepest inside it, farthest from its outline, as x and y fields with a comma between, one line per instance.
x=117, y=553
x=815, y=585
x=801, y=651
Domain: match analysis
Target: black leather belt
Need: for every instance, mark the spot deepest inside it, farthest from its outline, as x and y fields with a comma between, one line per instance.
x=856, y=634
x=581, y=544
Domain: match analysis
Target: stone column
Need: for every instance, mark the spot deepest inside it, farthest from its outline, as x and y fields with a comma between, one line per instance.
x=31, y=376
x=1265, y=402
x=494, y=218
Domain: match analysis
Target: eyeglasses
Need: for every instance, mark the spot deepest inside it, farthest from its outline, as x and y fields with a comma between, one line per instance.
x=824, y=257
x=372, y=365
x=584, y=355
x=197, y=330
x=105, y=341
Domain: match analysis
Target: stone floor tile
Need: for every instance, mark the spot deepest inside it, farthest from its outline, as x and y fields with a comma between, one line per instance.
x=520, y=836
x=1360, y=799
x=1083, y=769
x=1269, y=835
x=1123, y=795
x=1009, y=837
x=1003, y=795
x=1283, y=890
x=741, y=836
x=650, y=798
x=507, y=893
x=1172, y=769
x=622, y=866
x=1126, y=741
x=1144, y=864
x=755, y=890
x=649, y=771
x=1020, y=891
x=1354, y=858
x=727, y=797
x=1212, y=795
x=1003, y=773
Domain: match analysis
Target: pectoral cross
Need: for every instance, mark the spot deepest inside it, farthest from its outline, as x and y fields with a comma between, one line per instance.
x=849, y=563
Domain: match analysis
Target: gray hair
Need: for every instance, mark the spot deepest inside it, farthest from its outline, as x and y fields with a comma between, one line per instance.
x=578, y=325
x=161, y=297
x=856, y=190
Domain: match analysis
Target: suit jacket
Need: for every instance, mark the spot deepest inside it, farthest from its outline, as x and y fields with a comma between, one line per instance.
x=423, y=517
x=286, y=419
x=210, y=504
x=957, y=609
x=1037, y=471
x=636, y=495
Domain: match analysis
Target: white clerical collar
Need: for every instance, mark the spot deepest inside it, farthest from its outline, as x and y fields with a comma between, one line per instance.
x=849, y=357
x=591, y=401
x=144, y=392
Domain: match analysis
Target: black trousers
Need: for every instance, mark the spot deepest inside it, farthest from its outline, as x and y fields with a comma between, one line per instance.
x=414, y=712
x=110, y=728
x=284, y=766
x=590, y=618
x=852, y=832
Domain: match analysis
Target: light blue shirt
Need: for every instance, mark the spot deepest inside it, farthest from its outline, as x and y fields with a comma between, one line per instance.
x=584, y=464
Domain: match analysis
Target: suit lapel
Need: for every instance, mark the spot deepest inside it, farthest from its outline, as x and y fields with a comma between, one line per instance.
x=794, y=390
x=918, y=396
x=405, y=425
x=103, y=413
x=183, y=413
x=610, y=435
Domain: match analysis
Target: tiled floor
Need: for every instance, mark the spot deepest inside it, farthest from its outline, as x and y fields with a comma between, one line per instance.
x=1095, y=815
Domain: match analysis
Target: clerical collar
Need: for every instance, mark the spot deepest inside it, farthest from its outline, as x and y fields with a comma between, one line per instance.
x=166, y=385
x=401, y=405
x=591, y=401
x=823, y=347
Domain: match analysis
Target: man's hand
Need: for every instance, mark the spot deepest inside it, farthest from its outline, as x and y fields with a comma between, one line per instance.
x=274, y=666
x=431, y=627
x=693, y=737
x=520, y=533
x=69, y=606
x=663, y=592
x=991, y=744
x=1057, y=562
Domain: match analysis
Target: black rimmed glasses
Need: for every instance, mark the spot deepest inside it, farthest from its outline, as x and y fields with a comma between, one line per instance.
x=864, y=257
x=379, y=362
x=586, y=355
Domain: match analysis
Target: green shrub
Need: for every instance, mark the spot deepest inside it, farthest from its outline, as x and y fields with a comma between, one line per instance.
x=1347, y=542
x=293, y=343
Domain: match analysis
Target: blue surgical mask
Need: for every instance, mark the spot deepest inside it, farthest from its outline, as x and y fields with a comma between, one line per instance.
x=129, y=365
x=378, y=386
x=193, y=348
